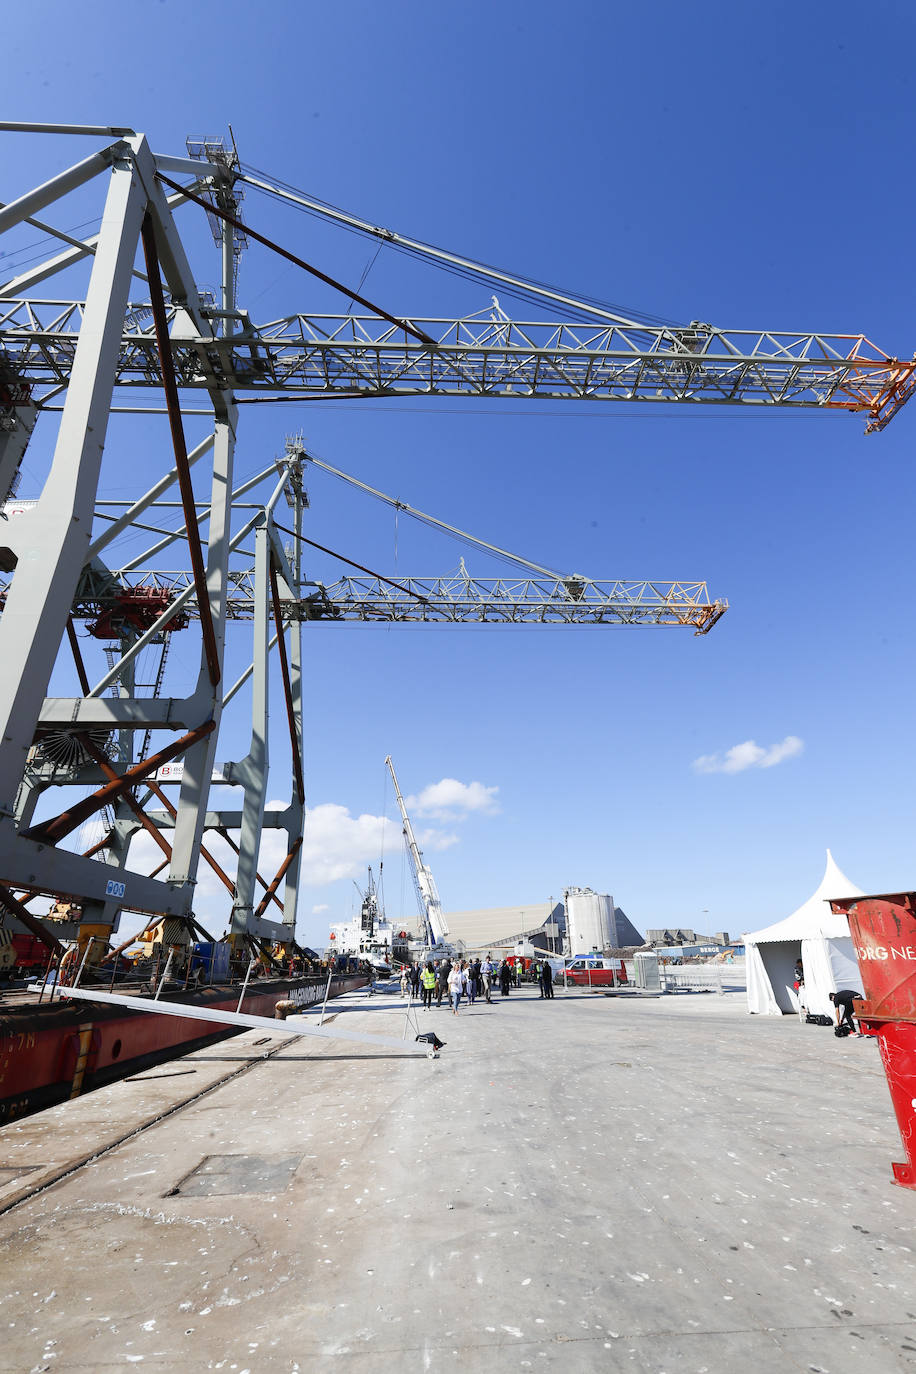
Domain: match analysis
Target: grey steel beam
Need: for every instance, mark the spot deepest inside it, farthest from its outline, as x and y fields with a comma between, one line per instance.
x=252, y=769
x=182, y=530
x=294, y=815
x=16, y=126
x=144, y=502
x=301, y=1026
x=34, y=201
x=35, y=867
x=199, y=760
x=13, y=444
x=53, y=538
x=79, y=249
x=222, y=819
x=112, y=713
x=188, y=166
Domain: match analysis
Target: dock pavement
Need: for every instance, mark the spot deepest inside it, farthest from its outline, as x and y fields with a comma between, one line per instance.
x=599, y=1182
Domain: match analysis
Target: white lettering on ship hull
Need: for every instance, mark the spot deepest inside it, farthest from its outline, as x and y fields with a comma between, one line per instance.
x=882, y=952
x=303, y=996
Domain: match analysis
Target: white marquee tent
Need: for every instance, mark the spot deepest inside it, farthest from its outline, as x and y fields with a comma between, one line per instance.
x=819, y=938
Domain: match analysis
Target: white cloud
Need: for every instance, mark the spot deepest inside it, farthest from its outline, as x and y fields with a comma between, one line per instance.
x=436, y=840
x=450, y=799
x=749, y=755
x=338, y=845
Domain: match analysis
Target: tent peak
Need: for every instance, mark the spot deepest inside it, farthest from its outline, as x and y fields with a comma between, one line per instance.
x=835, y=883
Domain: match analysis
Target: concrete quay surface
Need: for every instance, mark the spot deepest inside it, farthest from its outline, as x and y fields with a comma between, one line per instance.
x=595, y=1183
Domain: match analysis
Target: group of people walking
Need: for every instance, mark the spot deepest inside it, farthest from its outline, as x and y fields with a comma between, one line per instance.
x=469, y=979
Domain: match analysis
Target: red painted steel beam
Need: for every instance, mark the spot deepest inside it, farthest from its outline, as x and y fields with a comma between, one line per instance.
x=281, y=873
x=77, y=657
x=151, y=829
x=31, y=923
x=204, y=853
x=49, y=832
x=224, y=835
x=170, y=387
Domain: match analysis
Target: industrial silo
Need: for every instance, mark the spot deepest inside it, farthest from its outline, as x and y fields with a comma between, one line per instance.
x=589, y=920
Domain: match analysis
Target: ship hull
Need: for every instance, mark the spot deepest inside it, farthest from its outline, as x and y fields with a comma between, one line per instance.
x=53, y=1051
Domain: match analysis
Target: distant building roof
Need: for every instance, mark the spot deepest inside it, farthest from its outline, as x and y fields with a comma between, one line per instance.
x=491, y=924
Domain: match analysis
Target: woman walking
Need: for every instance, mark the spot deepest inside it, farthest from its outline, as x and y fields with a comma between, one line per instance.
x=455, y=985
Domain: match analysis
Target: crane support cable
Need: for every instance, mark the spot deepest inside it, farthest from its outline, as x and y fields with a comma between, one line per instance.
x=466, y=267
x=297, y=261
x=399, y=586
x=432, y=520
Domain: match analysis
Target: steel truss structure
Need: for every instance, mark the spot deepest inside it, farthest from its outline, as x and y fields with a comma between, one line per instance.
x=63, y=362
x=454, y=600
x=482, y=355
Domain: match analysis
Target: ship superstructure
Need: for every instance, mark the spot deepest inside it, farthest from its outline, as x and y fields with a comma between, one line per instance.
x=370, y=935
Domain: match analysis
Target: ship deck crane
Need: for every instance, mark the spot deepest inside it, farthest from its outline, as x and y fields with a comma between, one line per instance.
x=435, y=924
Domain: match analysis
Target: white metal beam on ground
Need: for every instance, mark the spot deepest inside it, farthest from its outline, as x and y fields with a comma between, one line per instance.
x=242, y=1019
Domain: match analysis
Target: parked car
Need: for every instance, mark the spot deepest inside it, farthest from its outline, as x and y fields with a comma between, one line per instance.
x=595, y=972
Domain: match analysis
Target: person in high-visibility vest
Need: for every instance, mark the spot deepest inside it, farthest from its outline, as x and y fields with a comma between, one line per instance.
x=428, y=980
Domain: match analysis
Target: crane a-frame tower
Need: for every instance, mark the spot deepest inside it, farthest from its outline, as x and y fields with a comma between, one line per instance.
x=139, y=336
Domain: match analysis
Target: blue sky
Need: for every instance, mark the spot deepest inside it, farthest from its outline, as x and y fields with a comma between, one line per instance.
x=734, y=164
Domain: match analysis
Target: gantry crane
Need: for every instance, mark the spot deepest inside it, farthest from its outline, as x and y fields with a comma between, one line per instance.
x=435, y=925
x=121, y=330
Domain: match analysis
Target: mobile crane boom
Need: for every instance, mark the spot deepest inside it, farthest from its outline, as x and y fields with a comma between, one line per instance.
x=425, y=883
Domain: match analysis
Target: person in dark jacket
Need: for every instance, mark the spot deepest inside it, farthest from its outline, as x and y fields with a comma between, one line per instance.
x=546, y=979
x=842, y=1001
x=505, y=977
x=442, y=973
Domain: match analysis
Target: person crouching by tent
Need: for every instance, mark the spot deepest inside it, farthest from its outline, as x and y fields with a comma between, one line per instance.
x=843, y=1001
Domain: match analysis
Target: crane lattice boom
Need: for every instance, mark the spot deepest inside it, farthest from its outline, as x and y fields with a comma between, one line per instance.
x=449, y=600
x=485, y=355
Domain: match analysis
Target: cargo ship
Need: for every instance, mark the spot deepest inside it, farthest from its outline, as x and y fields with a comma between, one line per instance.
x=52, y=1050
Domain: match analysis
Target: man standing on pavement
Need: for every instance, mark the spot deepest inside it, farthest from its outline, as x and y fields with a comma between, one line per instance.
x=486, y=969
x=442, y=974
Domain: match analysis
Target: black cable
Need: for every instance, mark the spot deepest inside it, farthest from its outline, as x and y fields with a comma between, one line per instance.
x=467, y=273
x=398, y=585
x=236, y=223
